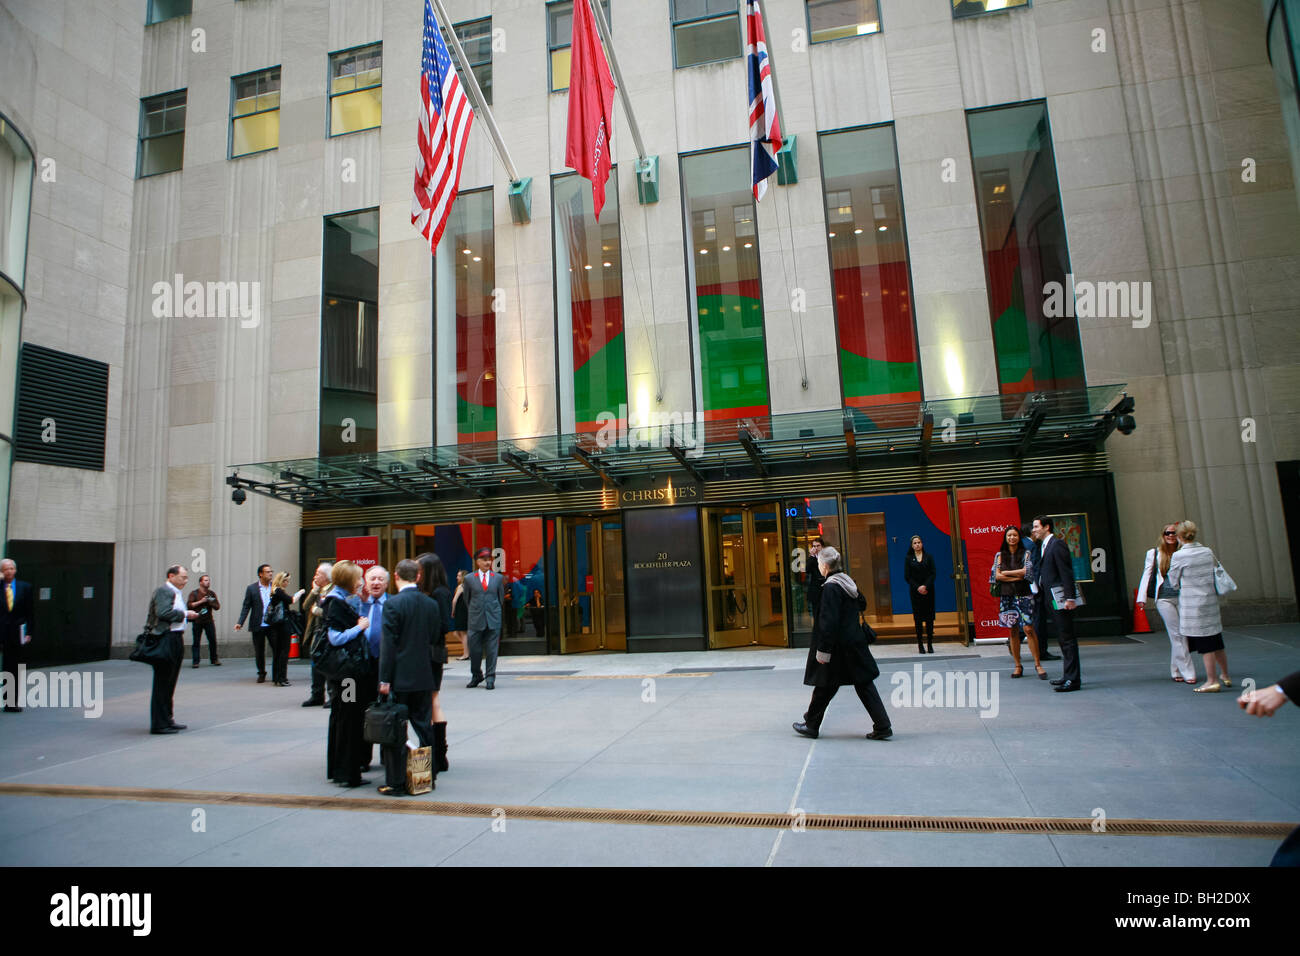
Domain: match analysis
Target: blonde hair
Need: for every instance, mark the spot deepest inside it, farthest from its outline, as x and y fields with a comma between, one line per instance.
x=1187, y=530
x=1163, y=551
x=345, y=575
x=279, y=579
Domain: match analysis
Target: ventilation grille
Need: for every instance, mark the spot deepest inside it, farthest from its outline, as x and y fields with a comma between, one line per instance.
x=62, y=409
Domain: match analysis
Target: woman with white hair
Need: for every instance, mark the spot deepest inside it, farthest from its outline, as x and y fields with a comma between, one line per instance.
x=1194, y=573
x=839, y=654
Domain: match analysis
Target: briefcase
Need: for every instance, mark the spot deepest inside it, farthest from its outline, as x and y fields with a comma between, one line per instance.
x=386, y=723
x=419, y=770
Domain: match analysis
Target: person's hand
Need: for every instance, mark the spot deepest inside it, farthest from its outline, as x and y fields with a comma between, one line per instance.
x=191, y=615
x=384, y=688
x=1070, y=605
x=922, y=590
x=823, y=657
x=363, y=623
x=1141, y=603
x=238, y=626
x=1261, y=703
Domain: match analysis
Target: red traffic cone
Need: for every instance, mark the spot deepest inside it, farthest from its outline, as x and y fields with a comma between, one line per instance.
x=294, y=642
x=1140, y=625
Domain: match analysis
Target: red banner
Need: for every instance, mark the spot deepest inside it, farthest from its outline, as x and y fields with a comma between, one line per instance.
x=983, y=523
x=363, y=552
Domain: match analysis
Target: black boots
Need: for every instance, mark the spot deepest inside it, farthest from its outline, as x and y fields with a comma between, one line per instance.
x=929, y=635
x=920, y=648
x=440, y=747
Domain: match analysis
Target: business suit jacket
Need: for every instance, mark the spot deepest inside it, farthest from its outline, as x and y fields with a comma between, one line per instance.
x=1055, y=569
x=411, y=619
x=311, y=621
x=11, y=622
x=252, y=608
x=1291, y=687
x=164, y=611
x=484, y=605
x=1035, y=549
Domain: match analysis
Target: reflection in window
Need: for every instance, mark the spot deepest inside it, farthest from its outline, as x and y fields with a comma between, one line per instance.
x=705, y=31
x=836, y=19
x=559, y=39
x=356, y=89
x=476, y=40
x=589, y=304
x=350, y=334
x=255, y=114
x=1023, y=233
x=465, y=274
x=722, y=262
x=162, y=134
x=805, y=519
x=869, y=268
x=160, y=10
x=971, y=8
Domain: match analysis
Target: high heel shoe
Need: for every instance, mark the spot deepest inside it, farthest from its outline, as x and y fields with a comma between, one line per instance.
x=1019, y=671
x=1042, y=674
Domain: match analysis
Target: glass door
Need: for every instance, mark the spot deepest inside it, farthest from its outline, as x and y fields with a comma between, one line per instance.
x=613, y=610
x=592, y=612
x=746, y=576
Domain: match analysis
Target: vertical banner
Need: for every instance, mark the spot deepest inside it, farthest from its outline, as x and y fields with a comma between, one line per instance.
x=983, y=523
x=363, y=552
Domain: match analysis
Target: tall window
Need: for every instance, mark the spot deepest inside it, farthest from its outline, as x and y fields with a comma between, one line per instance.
x=704, y=31
x=1024, y=240
x=869, y=267
x=465, y=335
x=972, y=8
x=349, y=340
x=255, y=112
x=836, y=19
x=722, y=265
x=162, y=134
x=356, y=89
x=17, y=169
x=559, y=39
x=476, y=40
x=160, y=10
x=589, y=304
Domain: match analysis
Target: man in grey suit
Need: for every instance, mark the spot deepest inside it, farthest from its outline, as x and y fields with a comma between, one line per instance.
x=167, y=617
x=485, y=592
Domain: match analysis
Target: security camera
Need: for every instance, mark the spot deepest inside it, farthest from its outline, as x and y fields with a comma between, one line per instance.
x=239, y=496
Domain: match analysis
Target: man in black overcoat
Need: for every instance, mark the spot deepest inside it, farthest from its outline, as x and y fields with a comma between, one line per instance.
x=411, y=619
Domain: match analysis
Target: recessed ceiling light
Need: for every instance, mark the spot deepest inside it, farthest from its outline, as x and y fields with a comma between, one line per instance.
x=749, y=245
x=884, y=228
x=831, y=234
x=704, y=252
x=726, y=248
x=857, y=232
x=478, y=258
x=467, y=251
x=608, y=264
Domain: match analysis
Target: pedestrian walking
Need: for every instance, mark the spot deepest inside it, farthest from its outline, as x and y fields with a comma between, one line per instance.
x=1155, y=586
x=919, y=572
x=256, y=608
x=1195, y=572
x=839, y=655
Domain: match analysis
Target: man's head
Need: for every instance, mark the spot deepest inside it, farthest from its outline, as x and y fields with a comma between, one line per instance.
x=376, y=580
x=205, y=582
x=177, y=575
x=8, y=570
x=264, y=574
x=1042, y=527
x=322, y=577
x=483, y=558
x=815, y=545
x=407, y=570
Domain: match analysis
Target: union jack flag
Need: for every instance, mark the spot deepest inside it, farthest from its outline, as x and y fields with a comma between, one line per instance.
x=445, y=121
x=764, y=124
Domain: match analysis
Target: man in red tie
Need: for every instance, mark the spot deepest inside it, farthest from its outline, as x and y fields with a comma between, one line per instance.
x=485, y=591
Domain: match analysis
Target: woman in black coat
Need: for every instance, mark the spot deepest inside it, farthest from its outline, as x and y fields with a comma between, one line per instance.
x=918, y=571
x=839, y=654
x=346, y=748
x=282, y=630
x=433, y=582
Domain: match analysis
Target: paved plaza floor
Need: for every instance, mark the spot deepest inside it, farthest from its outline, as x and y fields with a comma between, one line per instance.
x=680, y=732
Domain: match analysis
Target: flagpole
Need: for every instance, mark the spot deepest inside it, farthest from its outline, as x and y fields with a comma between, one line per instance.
x=776, y=86
x=471, y=83
x=608, y=41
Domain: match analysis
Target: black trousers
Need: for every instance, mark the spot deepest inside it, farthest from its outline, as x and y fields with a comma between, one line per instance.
x=164, y=682
x=1042, y=619
x=260, y=636
x=346, y=747
x=419, y=705
x=484, y=643
x=867, y=693
x=279, y=638
x=14, y=654
x=928, y=622
x=205, y=625
x=1064, y=621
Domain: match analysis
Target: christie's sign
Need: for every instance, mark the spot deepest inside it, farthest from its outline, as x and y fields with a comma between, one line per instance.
x=669, y=493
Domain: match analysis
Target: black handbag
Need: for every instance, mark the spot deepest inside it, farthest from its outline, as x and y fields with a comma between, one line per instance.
x=343, y=661
x=867, y=632
x=275, y=613
x=150, y=649
x=386, y=723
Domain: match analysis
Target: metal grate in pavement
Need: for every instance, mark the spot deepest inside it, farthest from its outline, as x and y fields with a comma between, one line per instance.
x=677, y=818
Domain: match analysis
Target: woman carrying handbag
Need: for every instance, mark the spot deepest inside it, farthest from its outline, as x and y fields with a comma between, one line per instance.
x=346, y=747
x=1199, y=578
x=279, y=617
x=1155, y=586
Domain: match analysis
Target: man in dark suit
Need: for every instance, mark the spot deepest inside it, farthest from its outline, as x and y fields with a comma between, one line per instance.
x=1055, y=570
x=167, y=617
x=813, y=587
x=257, y=601
x=410, y=619
x=1042, y=611
x=485, y=592
x=15, y=624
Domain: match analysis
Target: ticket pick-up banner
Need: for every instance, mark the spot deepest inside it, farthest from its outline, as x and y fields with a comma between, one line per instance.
x=983, y=522
x=363, y=551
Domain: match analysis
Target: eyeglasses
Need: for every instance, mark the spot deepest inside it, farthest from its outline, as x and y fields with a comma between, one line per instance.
x=1168, y=533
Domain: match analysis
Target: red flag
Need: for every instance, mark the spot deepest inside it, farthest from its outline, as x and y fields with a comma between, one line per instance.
x=591, y=105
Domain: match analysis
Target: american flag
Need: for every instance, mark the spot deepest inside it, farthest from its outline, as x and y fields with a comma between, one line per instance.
x=445, y=120
x=764, y=124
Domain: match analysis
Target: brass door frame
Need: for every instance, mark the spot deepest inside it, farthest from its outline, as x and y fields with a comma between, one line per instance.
x=753, y=584
x=596, y=564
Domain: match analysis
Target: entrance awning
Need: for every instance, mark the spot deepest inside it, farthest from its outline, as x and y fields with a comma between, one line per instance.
x=1036, y=423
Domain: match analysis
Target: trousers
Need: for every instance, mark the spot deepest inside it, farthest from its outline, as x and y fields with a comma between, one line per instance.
x=484, y=643
x=867, y=693
x=419, y=706
x=1180, y=661
x=205, y=625
x=165, y=675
